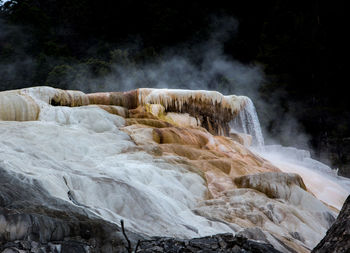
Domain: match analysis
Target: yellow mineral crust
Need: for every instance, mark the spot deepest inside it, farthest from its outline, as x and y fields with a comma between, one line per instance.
x=114, y=109
x=148, y=122
x=57, y=97
x=276, y=202
x=186, y=108
x=209, y=109
x=219, y=158
x=243, y=188
x=26, y=104
x=125, y=99
x=236, y=178
x=17, y=107
x=179, y=98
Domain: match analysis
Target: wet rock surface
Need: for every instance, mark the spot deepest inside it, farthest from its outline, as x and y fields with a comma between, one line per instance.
x=337, y=239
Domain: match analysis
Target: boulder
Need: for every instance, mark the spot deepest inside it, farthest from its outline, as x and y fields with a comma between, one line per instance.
x=337, y=239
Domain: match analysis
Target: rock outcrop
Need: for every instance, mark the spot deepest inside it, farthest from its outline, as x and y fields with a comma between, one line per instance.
x=210, y=244
x=337, y=239
x=33, y=221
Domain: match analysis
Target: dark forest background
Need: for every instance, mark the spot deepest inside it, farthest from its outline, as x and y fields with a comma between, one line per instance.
x=300, y=45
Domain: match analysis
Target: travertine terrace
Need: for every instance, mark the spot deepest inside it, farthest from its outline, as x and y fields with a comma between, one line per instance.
x=163, y=160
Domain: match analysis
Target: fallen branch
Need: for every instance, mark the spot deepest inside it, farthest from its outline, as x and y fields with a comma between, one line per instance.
x=126, y=237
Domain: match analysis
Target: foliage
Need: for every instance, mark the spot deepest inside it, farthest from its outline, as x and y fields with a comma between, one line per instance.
x=61, y=76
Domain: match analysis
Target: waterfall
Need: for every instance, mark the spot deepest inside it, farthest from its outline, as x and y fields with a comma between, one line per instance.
x=247, y=122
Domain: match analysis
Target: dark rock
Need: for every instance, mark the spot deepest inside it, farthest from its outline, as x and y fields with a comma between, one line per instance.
x=297, y=236
x=209, y=244
x=73, y=247
x=25, y=245
x=34, y=221
x=337, y=239
x=10, y=250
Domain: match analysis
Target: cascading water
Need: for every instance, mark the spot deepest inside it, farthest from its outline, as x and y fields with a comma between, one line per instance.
x=247, y=122
x=290, y=159
x=319, y=178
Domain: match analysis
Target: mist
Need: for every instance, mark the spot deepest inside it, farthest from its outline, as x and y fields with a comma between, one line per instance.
x=202, y=66
x=192, y=65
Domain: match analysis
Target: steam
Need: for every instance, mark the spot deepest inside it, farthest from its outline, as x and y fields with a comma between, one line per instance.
x=204, y=66
x=200, y=66
x=196, y=66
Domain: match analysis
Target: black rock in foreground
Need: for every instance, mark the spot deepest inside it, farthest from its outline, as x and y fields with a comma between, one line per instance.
x=33, y=221
x=337, y=239
x=216, y=243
